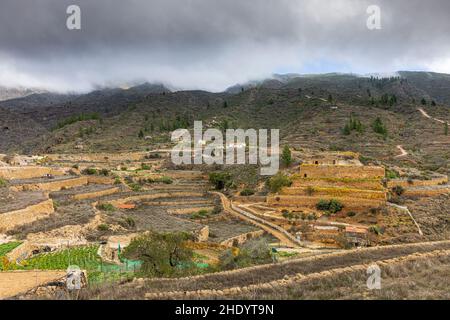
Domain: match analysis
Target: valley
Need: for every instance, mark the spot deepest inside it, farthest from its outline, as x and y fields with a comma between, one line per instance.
x=88, y=180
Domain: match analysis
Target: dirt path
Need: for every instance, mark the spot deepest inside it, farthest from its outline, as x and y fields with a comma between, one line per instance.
x=269, y=227
x=405, y=209
x=403, y=152
x=15, y=282
x=426, y=115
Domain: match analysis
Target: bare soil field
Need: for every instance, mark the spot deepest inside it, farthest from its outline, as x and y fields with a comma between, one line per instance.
x=65, y=195
x=11, y=201
x=40, y=180
x=77, y=213
x=154, y=218
x=14, y=283
x=226, y=229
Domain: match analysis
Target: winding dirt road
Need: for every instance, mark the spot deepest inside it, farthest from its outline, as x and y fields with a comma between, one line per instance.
x=266, y=226
x=403, y=152
x=426, y=115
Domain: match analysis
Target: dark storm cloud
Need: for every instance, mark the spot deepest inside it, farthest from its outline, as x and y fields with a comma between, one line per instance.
x=211, y=44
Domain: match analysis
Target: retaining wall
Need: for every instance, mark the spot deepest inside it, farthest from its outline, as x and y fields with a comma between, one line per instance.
x=56, y=185
x=100, y=180
x=426, y=192
x=242, y=238
x=28, y=172
x=12, y=219
x=98, y=157
x=336, y=192
x=90, y=195
x=355, y=172
x=369, y=184
x=417, y=183
x=350, y=203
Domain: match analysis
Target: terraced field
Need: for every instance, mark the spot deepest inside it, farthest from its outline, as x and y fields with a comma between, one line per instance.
x=268, y=278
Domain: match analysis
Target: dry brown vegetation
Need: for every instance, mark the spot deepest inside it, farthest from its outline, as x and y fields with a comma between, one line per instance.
x=261, y=274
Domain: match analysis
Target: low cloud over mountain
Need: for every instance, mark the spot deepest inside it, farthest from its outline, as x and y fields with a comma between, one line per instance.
x=211, y=44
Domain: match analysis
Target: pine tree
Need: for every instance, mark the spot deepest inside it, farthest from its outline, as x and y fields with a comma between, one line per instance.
x=141, y=134
x=379, y=127
x=286, y=156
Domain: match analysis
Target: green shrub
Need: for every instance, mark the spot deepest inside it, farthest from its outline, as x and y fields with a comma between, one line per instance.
x=103, y=227
x=107, y=207
x=162, y=254
x=255, y=251
x=379, y=127
x=3, y=183
x=331, y=206
x=392, y=174
x=286, y=156
x=166, y=180
x=135, y=187
x=310, y=190
x=376, y=230
x=277, y=182
x=89, y=171
x=129, y=222
x=220, y=180
x=77, y=118
x=351, y=214
x=353, y=125
x=145, y=166
x=247, y=192
x=201, y=214
x=323, y=205
x=398, y=190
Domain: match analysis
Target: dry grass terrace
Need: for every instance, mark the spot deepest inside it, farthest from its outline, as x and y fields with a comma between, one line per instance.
x=11, y=201
x=40, y=180
x=222, y=230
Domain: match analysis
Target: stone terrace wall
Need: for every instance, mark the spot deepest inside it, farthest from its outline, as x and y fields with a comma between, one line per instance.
x=95, y=194
x=417, y=183
x=337, y=192
x=426, y=192
x=350, y=203
x=369, y=184
x=12, y=219
x=352, y=172
x=98, y=157
x=56, y=185
x=100, y=180
x=28, y=172
x=249, y=199
x=242, y=238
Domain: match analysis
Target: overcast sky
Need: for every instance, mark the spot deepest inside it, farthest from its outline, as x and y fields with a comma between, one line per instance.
x=213, y=44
